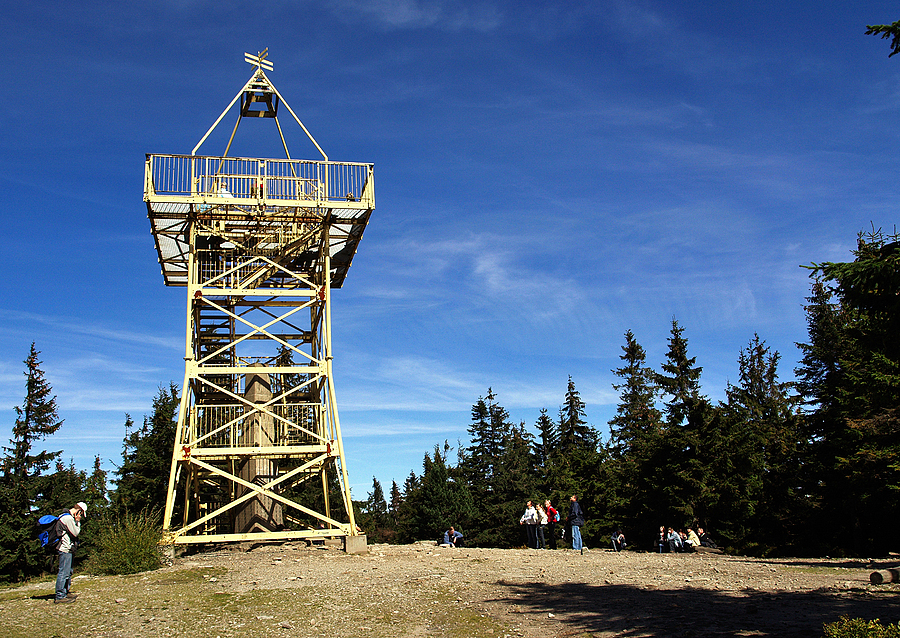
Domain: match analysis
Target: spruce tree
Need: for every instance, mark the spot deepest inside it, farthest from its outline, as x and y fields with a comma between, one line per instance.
x=23, y=482
x=548, y=438
x=574, y=432
x=636, y=435
x=686, y=414
x=143, y=477
x=376, y=513
x=756, y=457
x=850, y=381
x=438, y=500
x=394, y=505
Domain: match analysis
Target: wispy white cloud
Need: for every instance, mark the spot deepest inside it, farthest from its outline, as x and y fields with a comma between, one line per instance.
x=72, y=327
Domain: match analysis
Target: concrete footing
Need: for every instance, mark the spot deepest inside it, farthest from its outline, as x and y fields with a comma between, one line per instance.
x=356, y=544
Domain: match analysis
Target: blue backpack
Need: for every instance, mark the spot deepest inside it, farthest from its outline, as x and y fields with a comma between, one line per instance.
x=50, y=531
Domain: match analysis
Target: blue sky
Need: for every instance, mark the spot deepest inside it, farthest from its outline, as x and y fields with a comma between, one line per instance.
x=548, y=175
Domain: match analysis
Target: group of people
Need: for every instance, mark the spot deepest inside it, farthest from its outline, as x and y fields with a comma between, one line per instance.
x=540, y=524
x=683, y=540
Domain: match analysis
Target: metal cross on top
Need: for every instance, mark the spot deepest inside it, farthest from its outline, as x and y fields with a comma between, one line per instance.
x=259, y=60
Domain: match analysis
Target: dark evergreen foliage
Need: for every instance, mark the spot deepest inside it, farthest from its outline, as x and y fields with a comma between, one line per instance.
x=24, y=481
x=887, y=31
x=636, y=436
x=143, y=477
x=850, y=382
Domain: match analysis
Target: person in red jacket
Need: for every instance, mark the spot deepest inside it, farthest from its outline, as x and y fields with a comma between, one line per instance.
x=552, y=520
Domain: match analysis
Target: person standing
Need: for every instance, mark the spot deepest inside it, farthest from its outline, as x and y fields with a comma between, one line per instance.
x=552, y=520
x=576, y=520
x=542, y=527
x=70, y=524
x=530, y=521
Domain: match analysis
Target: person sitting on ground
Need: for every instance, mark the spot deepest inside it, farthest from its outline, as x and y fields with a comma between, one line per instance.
x=674, y=540
x=705, y=540
x=692, y=539
x=618, y=540
x=452, y=538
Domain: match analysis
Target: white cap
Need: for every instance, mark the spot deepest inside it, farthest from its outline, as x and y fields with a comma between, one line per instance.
x=83, y=506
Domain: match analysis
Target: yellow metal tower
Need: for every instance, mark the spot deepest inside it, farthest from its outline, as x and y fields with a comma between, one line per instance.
x=259, y=244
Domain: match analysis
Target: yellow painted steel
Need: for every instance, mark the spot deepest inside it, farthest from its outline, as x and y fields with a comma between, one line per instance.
x=259, y=244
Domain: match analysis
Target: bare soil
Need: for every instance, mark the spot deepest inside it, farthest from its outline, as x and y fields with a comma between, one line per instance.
x=424, y=590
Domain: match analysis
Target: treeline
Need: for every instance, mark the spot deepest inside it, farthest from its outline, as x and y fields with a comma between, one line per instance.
x=809, y=467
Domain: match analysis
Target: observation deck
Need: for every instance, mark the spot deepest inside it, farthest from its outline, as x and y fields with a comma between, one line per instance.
x=268, y=200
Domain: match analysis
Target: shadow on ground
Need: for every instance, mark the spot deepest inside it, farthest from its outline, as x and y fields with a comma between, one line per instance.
x=626, y=610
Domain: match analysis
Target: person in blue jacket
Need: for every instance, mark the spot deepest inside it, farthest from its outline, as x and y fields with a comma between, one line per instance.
x=453, y=538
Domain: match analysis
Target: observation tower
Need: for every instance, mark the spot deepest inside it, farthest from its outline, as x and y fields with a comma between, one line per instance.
x=260, y=244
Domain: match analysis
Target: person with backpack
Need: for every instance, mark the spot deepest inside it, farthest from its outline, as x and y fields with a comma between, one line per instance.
x=552, y=520
x=69, y=527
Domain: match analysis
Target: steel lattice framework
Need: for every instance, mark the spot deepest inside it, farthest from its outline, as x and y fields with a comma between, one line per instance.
x=259, y=244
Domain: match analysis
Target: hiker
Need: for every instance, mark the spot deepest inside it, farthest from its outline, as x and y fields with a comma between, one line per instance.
x=70, y=523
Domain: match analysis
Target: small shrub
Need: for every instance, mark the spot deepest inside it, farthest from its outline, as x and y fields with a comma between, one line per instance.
x=127, y=545
x=859, y=628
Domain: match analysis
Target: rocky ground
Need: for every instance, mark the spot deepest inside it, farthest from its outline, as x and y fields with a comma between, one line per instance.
x=423, y=590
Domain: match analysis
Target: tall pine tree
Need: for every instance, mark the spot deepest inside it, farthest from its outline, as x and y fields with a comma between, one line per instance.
x=23, y=482
x=686, y=414
x=636, y=435
x=850, y=380
x=143, y=477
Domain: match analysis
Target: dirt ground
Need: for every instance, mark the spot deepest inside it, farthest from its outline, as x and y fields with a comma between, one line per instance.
x=424, y=590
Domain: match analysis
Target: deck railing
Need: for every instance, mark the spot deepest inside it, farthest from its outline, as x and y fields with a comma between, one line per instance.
x=259, y=179
x=224, y=426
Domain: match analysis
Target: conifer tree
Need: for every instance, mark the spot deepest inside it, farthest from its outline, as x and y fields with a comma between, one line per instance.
x=438, y=501
x=548, y=438
x=23, y=483
x=481, y=468
x=636, y=435
x=850, y=381
x=687, y=413
x=394, y=505
x=489, y=426
x=143, y=477
x=36, y=419
x=376, y=505
x=574, y=432
x=755, y=457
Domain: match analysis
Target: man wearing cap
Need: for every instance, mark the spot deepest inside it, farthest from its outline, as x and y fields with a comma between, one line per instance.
x=70, y=524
